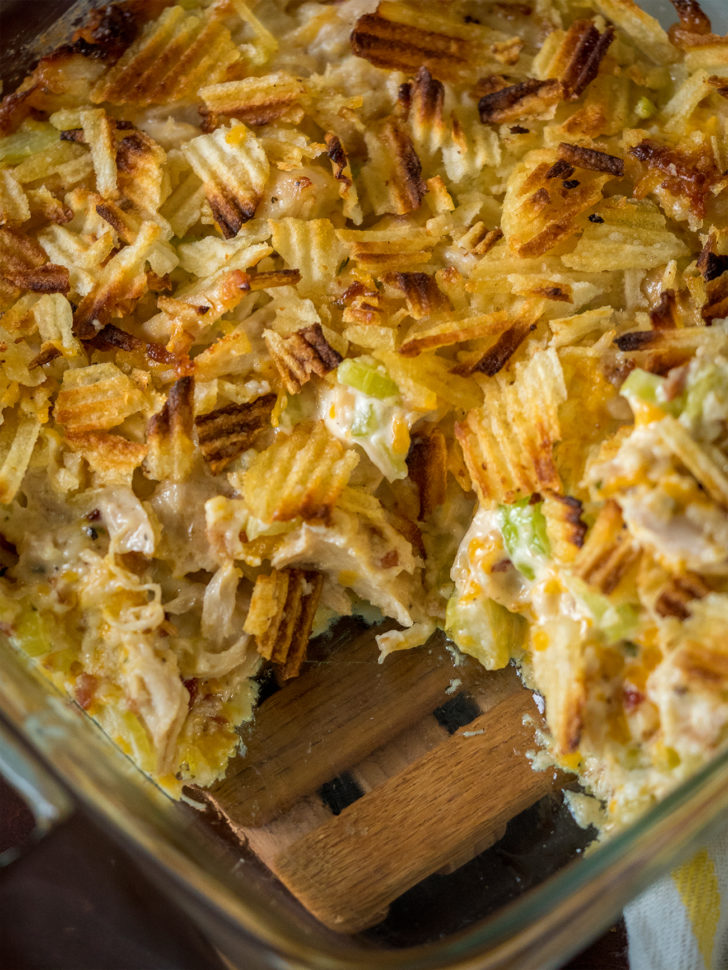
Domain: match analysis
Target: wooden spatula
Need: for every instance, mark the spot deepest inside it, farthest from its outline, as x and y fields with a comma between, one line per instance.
x=360, y=779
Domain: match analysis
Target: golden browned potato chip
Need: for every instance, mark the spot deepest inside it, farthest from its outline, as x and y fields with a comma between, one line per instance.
x=227, y=432
x=299, y=356
x=281, y=614
x=301, y=474
x=508, y=442
x=96, y=398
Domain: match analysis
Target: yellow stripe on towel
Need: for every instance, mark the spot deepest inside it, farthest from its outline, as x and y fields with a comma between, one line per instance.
x=697, y=883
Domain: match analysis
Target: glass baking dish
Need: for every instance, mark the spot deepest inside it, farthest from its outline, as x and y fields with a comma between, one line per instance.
x=238, y=903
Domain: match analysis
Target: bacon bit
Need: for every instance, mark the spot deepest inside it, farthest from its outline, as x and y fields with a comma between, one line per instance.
x=591, y=159
x=192, y=686
x=664, y=315
x=502, y=566
x=631, y=698
x=389, y=559
x=526, y=98
x=85, y=689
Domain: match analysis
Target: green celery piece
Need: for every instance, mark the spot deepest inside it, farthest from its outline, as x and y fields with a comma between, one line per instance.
x=26, y=142
x=640, y=383
x=366, y=378
x=523, y=527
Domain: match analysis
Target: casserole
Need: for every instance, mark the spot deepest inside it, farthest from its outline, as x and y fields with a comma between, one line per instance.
x=523, y=938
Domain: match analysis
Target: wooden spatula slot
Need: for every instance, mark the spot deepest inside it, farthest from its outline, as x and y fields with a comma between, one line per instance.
x=360, y=779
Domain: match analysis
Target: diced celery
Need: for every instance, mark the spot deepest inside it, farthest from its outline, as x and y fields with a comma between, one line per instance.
x=485, y=629
x=643, y=385
x=711, y=380
x=33, y=138
x=616, y=621
x=523, y=527
x=367, y=378
x=650, y=388
x=645, y=108
x=31, y=633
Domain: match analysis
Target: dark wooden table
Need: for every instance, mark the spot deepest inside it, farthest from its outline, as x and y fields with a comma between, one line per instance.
x=76, y=901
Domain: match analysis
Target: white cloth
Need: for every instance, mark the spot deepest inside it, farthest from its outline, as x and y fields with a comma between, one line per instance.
x=681, y=923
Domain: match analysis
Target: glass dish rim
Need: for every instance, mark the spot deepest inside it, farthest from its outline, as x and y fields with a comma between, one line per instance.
x=536, y=930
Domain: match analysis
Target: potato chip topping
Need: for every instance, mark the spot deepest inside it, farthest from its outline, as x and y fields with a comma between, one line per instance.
x=307, y=308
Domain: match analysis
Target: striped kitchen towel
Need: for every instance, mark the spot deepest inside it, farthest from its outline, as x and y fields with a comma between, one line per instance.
x=681, y=923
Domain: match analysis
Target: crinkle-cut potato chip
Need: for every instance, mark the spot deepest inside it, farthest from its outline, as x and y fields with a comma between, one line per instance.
x=427, y=377
x=228, y=431
x=631, y=235
x=703, y=462
x=386, y=250
x=608, y=550
x=301, y=355
x=560, y=666
x=79, y=254
x=312, y=247
x=393, y=174
x=24, y=265
x=98, y=134
x=544, y=205
x=427, y=464
x=142, y=178
x=233, y=169
x=403, y=37
x=54, y=319
x=454, y=329
x=565, y=526
x=170, y=450
x=508, y=442
x=298, y=475
x=14, y=207
x=424, y=297
x=341, y=169
x=169, y=61
x=18, y=435
x=111, y=457
x=257, y=100
x=281, y=614
x=122, y=279
x=574, y=57
x=642, y=28
x=96, y=398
